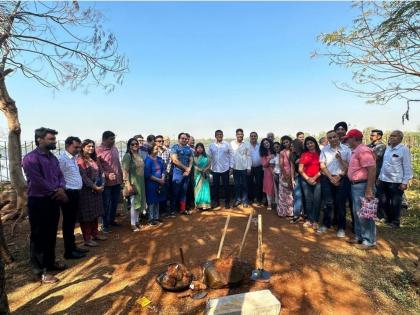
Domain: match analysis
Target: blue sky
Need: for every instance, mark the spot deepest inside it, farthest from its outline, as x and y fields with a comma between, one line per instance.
x=202, y=66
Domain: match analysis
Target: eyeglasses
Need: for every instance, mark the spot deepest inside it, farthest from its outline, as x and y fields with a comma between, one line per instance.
x=134, y=145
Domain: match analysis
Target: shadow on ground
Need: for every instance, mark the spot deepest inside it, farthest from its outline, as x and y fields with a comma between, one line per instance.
x=311, y=273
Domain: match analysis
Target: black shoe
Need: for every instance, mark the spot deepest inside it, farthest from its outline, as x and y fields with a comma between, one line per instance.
x=74, y=255
x=237, y=203
x=113, y=223
x=81, y=250
x=215, y=205
x=246, y=205
x=57, y=267
x=295, y=220
x=227, y=206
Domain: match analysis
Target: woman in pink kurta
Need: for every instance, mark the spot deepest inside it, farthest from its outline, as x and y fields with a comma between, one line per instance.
x=267, y=155
x=286, y=182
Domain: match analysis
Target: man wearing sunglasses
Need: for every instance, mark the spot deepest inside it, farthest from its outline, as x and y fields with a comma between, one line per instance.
x=165, y=154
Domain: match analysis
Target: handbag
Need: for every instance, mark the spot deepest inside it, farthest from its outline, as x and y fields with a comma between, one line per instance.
x=369, y=209
x=286, y=184
x=126, y=192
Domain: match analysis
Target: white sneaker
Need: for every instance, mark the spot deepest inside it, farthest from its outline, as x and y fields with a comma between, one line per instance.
x=322, y=229
x=341, y=233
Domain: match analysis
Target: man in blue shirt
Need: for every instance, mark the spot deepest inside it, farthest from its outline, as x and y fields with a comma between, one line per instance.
x=182, y=159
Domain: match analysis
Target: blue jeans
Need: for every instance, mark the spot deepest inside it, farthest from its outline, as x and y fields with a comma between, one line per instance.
x=110, y=199
x=312, y=196
x=241, y=185
x=364, y=229
x=334, y=195
x=153, y=211
x=297, y=197
x=179, y=194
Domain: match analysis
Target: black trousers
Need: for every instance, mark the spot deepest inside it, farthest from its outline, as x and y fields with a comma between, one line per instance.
x=216, y=186
x=69, y=211
x=255, y=184
x=334, y=197
x=390, y=199
x=164, y=208
x=44, y=215
x=190, y=192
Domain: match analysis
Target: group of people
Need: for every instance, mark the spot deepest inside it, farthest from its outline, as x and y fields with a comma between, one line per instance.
x=296, y=177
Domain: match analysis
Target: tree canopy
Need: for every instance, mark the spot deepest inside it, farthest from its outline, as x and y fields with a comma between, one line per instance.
x=382, y=49
x=59, y=44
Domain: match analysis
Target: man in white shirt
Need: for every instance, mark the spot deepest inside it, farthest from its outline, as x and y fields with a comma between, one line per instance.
x=220, y=156
x=73, y=179
x=241, y=164
x=334, y=161
x=395, y=174
x=255, y=179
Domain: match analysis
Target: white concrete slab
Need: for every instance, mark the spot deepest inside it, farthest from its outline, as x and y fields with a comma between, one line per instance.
x=261, y=302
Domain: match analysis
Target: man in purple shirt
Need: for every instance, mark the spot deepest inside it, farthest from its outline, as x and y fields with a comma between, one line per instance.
x=45, y=194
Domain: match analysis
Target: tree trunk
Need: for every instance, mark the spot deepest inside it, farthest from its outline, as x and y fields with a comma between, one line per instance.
x=4, y=303
x=8, y=107
x=4, y=251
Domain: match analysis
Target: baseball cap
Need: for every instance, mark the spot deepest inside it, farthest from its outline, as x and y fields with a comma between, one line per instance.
x=353, y=133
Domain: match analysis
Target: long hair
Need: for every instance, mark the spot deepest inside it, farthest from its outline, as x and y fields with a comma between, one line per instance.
x=129, y=146
x=263, y=150
x=202, y=146
x=305, y=149
x=85, y=143
x=285, y=138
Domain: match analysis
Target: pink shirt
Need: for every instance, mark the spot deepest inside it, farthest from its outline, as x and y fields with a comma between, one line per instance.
x=361, y=158
x=110, y=162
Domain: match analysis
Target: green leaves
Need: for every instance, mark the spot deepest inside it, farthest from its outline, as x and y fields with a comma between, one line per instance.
x=382, y=49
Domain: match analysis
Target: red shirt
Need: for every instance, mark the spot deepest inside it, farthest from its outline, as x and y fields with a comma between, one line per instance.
x=310, y=161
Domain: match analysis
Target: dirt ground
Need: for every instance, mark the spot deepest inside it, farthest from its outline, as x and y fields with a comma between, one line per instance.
x=311, y=273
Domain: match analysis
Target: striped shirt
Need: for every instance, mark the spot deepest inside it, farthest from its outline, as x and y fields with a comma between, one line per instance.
x=70, y=170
